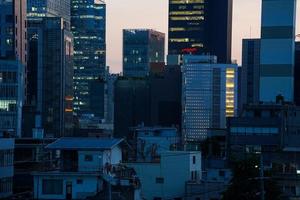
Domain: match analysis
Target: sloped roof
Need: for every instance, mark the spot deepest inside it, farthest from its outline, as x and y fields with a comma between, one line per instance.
x=82, y=143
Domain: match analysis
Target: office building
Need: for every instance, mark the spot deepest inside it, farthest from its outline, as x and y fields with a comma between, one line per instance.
x=109, y=107
x=6, y=167
x=250, y=72
x=50, y=94
x=209, y=95
x=297, y=75
x=201, y=27
x=12, y=64
x=271, y=132
x=165, y=89
x=88, y=19
x=277, y=50
x=148, y=101
x=11, y=97
x=13, y=30
x=49, y=8
x=132, y=104
x=141, y=47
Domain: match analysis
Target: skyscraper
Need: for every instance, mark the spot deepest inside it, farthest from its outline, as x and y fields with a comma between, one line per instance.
x=201, y=27
x=88, y=19
x=132, y=104
x=12, y=64
x=49, y=8
x=11, y=96
x=297, y=74
x=50, y=94
x=277, y=50
x=141, y=47
x=209, y=95
x=13, y=30
x=250, y=71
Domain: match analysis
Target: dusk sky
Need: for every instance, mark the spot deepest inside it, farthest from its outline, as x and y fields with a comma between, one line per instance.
x=154, y=14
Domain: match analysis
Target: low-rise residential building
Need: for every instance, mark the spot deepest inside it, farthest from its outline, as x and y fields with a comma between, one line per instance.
x=166, y=179
x=29, y=155
x=84, y=169
x=6, y=167
x=152, y=141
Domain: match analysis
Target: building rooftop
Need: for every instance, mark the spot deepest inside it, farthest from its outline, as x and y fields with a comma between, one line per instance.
x=80, y=143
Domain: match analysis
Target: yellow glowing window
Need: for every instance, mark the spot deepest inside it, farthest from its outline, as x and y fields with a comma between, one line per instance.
x=185, y=18
x=186, y=13
x=179, y=40
x=177, y=29
x=186, y=1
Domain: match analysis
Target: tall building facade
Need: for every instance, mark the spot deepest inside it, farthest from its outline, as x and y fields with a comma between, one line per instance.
x=11, y=96
x=13, y=30
x=201, y=27
x=165, y=89
x=49, y=8
x=6, y=167
x=88, y=19
x=51, y=93
x=132, y=105
x=209, y=95
x=12, y=64
x=250, y=71
x=297, y=75
x=277, y=50
x=141, y=47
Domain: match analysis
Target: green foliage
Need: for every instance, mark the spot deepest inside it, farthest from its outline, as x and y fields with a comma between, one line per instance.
x=246, y=182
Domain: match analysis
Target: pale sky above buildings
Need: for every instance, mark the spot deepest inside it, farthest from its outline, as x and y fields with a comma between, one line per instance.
x=153, y=14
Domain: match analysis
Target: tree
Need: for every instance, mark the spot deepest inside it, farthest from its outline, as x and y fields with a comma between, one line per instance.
x=246, y=182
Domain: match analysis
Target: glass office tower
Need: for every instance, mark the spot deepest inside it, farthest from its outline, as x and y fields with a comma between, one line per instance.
x=277, y=50
x=49, y=8
x=201, y=27
x=141, y=48
x=88, y=27
x=209, y=95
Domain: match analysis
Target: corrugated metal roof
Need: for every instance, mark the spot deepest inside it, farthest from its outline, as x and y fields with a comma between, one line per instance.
x=79, y=143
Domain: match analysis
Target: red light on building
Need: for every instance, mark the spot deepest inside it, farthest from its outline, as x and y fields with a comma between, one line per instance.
x=189, y=50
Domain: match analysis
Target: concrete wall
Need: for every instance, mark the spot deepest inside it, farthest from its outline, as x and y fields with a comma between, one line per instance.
x=175, y=169
x=90, y=185
x=100, y=158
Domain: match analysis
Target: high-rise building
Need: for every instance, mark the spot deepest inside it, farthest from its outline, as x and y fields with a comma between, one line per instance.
x=165, y=89
x=250, y=72
x=141, y=47
x=154, y=100
x=13, y=30
x=132, y=105
x=88, y=19
x=50, y=94
x=277, y=50
x=209, y=95
x=297, y=75
x=201, y=27
x=11, y=96
x=6, y=167
x=12, y=64
x=49, y=8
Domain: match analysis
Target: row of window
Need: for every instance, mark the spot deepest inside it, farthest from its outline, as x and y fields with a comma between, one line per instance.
x=254, y=130
x=6, y=158
x=6, y=185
